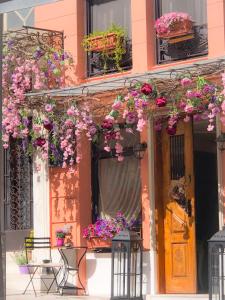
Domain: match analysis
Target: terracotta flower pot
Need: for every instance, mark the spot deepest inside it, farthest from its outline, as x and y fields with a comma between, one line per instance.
x=103, y=43
x=97, y=242
x=177, y=29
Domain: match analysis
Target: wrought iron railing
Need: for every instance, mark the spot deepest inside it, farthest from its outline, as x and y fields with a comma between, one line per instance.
x=95, y=63
x=196, y=46
x=18, y=188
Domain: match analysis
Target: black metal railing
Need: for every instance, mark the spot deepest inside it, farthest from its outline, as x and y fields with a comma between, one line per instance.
x=96, y=66
x=18, y=187
x=190, y=48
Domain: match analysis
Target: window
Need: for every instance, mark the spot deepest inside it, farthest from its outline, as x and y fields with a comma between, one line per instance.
x=18, y=194
x=18, y=19
x=101, y=14
x=116, y=186
x=183, y=47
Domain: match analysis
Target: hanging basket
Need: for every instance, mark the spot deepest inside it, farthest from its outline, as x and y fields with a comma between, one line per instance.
x=180, y=30
x=97, y=242
x=103, y=43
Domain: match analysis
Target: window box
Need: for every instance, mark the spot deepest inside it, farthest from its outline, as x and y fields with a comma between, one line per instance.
x=97, y=243
x=103, y=43
x=178, y=29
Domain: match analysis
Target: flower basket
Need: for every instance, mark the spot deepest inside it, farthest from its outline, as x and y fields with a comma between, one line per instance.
x=103, y=43
x=177, y=29
x=97, y=242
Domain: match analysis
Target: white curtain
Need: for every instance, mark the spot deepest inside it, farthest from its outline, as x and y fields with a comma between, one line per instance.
x=119, y=187
x=195, y=8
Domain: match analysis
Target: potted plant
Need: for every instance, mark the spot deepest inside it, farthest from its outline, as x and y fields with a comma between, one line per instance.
x=100, y=234
x=173, y=24
x=110, y=44
x=60, y=237
x=61, y=233
x=21, y=260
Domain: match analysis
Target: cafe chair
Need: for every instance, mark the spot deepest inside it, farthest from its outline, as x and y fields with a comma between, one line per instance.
x=39, y=259
x=72, y=258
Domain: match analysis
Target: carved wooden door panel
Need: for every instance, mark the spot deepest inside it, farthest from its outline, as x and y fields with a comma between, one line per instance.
x=178, y=199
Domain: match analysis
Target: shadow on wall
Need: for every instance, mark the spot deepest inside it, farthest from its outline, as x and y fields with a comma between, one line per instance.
x=64, y=204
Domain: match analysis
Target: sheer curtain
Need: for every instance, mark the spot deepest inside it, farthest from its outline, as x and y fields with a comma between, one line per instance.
x=119, y=187
x=195, y=8
x=106, y=12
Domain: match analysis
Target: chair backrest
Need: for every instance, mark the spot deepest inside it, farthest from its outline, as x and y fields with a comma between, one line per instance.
x=35, y=243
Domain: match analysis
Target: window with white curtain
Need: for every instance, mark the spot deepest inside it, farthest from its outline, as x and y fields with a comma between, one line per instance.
x=116, y=186
x=198, y=45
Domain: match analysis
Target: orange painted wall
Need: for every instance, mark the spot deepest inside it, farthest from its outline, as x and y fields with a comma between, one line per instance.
x=69, y=16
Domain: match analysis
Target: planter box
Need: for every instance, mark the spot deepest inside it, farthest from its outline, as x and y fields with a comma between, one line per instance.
x=100, y=43
x=178, y=29
x=23, y=269
x=96, y=243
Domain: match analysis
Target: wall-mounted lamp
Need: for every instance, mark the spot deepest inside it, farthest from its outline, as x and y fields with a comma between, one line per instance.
x=139, y=150
x=221, y=142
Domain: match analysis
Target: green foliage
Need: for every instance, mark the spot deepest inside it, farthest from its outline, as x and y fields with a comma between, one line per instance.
x=20, y=258
x=115, y=54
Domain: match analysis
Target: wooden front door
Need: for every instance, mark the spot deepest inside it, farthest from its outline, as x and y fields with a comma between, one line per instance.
x=178, y=206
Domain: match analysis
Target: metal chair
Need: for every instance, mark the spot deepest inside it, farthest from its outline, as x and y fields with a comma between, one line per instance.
x=72, y=258
x=43, y=247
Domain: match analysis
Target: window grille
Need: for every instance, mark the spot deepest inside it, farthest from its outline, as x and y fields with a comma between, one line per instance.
x=18, y=191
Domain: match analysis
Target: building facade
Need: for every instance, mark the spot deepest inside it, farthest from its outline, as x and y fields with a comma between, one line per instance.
x=174, y=238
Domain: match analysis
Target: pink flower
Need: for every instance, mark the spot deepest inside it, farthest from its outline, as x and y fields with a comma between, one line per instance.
x=141, y=123
x=107, y=148
x=71, y=111
x=48, y=107
x=116, y=105
x=186, y=81
x=210, y=127
x=189, y=108
x=120, y=158
x=187, y=119
x=161, y=101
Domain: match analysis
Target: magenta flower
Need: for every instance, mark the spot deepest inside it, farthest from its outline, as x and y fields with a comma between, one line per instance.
x=171, y=130
x=39, y=142
x=146, y=89
x=161, y=101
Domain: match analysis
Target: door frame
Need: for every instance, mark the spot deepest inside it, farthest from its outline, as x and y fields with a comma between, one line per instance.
x=154, y=272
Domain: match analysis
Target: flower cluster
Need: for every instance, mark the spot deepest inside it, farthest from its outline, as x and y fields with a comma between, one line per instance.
x=165, y=23
x=107, y=228
x=62, y=232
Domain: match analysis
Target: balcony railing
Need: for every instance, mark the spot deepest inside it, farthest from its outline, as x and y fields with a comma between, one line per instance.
x=196, y=46
x=97, y=67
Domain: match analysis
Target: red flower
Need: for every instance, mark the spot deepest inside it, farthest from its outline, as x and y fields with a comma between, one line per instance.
x=146, y=89
x=39, y=142
x=171, y=130
x=161, y=101
x=48, y=125
x=107, y=124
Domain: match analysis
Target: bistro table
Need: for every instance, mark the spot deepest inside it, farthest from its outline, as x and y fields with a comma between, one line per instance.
x=72, y=258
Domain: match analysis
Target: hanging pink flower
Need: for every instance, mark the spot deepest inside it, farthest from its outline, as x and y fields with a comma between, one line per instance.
x=161, y=101
x=146, y=89
x=117, y=105
x=48, y=107
x=186, y=81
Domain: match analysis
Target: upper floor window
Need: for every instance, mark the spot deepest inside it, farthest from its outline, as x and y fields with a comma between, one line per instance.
x=182, y=33
x=102, y=16
x=19, y=18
